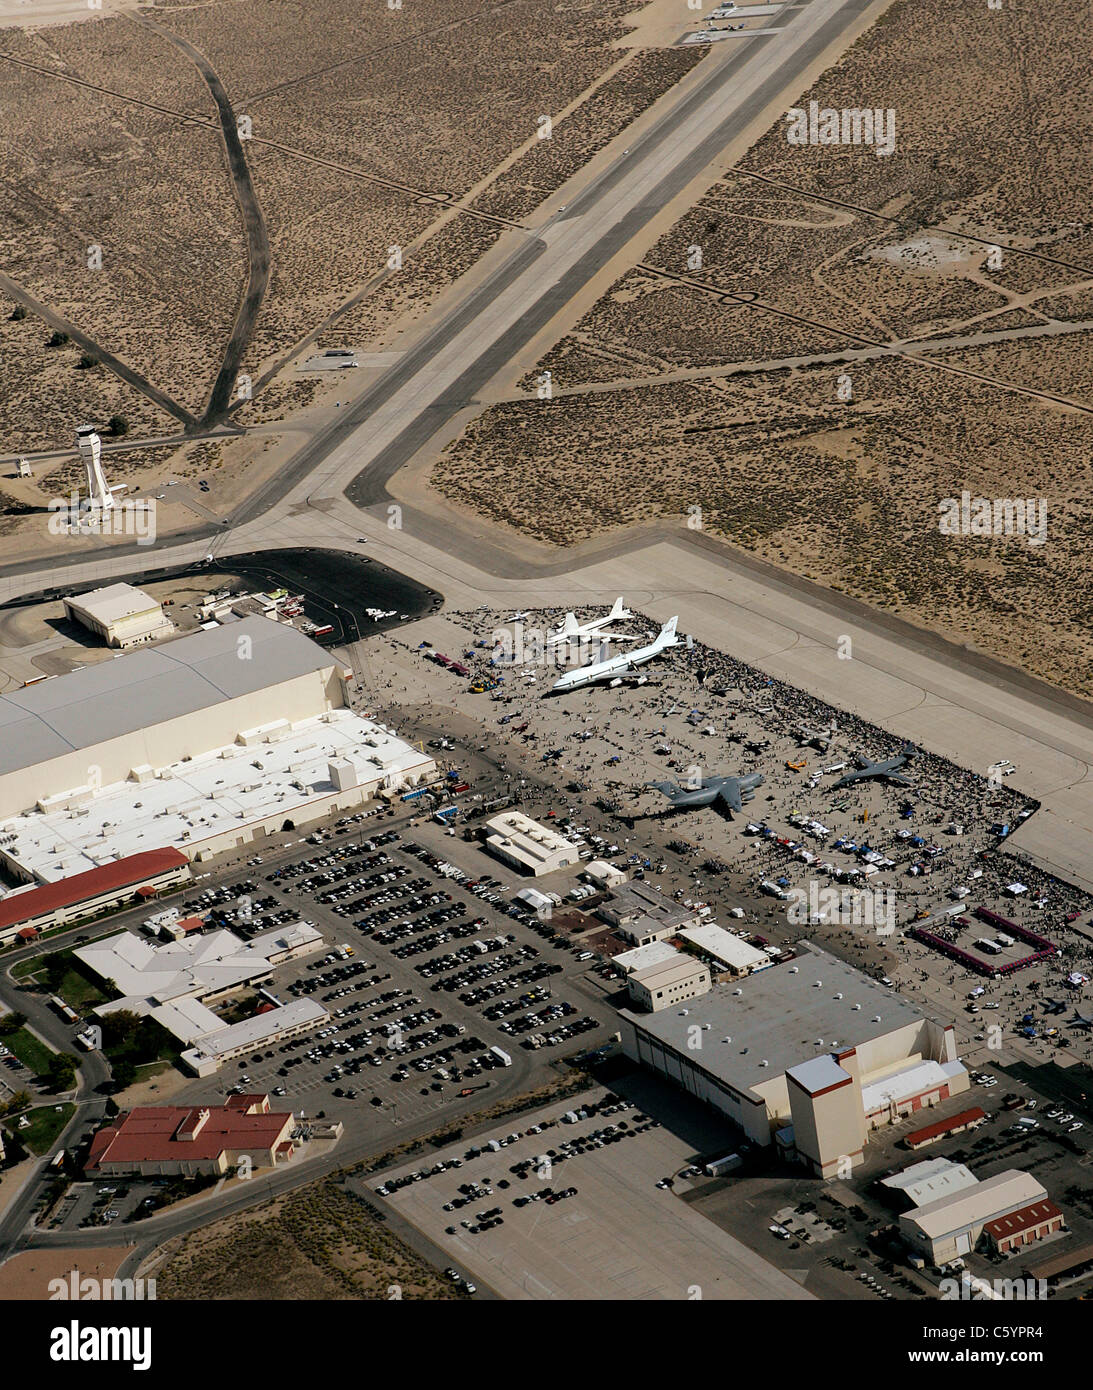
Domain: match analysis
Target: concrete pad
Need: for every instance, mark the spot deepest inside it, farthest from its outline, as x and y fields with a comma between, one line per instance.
x=621, y=1237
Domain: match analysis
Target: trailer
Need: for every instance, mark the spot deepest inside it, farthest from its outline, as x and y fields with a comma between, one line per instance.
x=502, y=1057
x=720, y=1166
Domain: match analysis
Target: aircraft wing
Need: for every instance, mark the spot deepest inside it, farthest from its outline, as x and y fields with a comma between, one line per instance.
x=669, y=789
x=730, y=795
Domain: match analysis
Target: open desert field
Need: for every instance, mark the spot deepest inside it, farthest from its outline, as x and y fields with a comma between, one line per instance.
x=319, y=1242
x=203, y=192
x=831, y=342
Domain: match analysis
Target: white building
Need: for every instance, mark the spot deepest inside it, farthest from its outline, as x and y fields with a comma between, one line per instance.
x=642, y=957
x=527, y=845
x=174, y=983
x=735, y=955
x=602, y=874
x=212, y=1050
x=205, y=743
x=121, y=615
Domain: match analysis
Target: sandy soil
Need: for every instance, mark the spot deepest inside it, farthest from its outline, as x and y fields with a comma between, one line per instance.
x=318, y=1242
x=25, y=1277
x=837, y=249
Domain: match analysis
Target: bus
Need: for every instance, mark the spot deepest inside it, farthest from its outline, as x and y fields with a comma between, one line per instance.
x=68, y=1013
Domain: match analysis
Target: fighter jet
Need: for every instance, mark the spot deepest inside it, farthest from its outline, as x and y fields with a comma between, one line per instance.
x=886, y=771
x=1080, y=1021
x=573, y=631
x=731, y=792
x=616, y=669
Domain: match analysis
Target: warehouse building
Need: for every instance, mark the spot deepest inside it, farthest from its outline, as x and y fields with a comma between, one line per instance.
x=193, y=1141
x=1007, y=1234
x=28, y=911
x=121, y=615
x=791, y=1052
x=602, y=875
x=929, y=1181
x=205, y=743
x=951, y=1226
x=528, y=846
x=941, y=1129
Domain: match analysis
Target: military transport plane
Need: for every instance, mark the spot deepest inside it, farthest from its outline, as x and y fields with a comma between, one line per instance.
x=573, y=631
x=886, y=771
x=617, y=668
x=732, y=792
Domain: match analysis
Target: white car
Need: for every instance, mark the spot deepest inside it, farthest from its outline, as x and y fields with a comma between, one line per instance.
x=1076, y=1125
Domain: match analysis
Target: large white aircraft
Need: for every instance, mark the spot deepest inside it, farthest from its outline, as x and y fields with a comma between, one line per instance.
x=616, y=668
x=573, y=631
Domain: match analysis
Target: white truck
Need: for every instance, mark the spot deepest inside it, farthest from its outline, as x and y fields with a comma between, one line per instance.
x=502, y=1057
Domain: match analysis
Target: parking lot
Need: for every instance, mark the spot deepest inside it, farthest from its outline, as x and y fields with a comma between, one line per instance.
x=555, y=1209
x=437, y=990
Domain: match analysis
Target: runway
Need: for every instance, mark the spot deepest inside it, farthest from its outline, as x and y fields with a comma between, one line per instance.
x=952, y=700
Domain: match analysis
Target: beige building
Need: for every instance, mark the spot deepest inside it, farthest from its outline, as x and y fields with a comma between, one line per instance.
x=207, y=743
x=121, y=615
x=950, y=1227
x=787, y=1054
x=668, y=982
x=528, y=846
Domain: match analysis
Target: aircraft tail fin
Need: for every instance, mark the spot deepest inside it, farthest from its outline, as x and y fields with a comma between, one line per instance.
x=570, y=624
x=604, y=652
x=667, y=637
x=618, y=611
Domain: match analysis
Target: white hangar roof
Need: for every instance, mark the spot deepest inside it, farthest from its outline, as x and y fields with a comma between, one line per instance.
x=149, y=687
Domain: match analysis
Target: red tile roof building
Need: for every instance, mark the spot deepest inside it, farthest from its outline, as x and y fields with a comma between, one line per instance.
x=82, y=895
x=192, y=1141
x=917, y=1138
x=1023, y=1226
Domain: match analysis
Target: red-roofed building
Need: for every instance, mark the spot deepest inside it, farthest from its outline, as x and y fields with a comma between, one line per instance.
x=192, y=1141
x=1023, y=1226
x=83, y=895
x=955, y=1124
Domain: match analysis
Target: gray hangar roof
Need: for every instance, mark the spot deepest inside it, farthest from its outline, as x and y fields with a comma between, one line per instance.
x=149, y=687
x=778, y=1016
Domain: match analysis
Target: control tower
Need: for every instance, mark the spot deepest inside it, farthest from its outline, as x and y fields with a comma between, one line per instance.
x=99, y=496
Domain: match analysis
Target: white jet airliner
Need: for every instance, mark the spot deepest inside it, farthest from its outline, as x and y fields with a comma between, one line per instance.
x=617, y=667
x=573, y=631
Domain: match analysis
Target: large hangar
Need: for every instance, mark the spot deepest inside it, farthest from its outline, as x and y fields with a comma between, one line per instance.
x=204, y=743
x=155, y=707
x=811, y=1057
